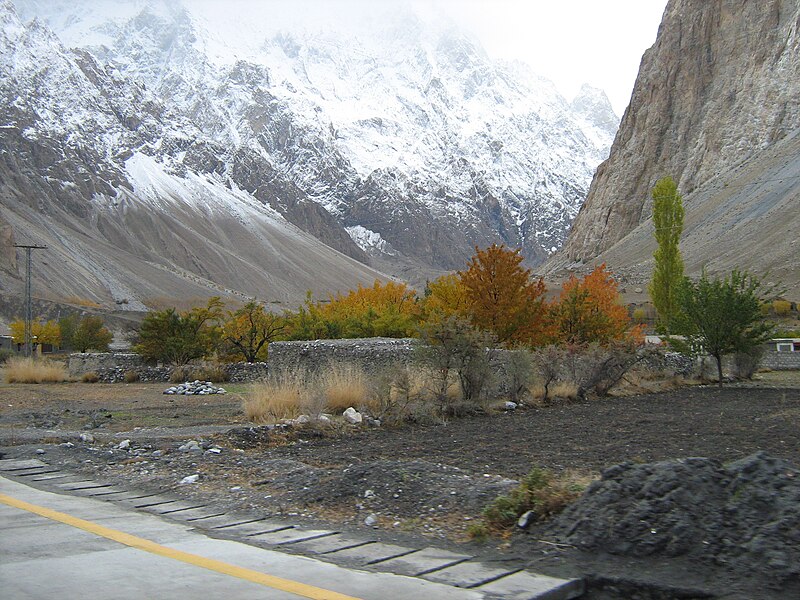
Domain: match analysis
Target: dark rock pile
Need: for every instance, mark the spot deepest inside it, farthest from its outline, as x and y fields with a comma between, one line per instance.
x=744, y=515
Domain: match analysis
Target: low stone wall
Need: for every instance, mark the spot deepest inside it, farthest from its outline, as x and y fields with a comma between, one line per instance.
x=781, y=361
x=373, y=355
x=112, y=367
x=243, y=372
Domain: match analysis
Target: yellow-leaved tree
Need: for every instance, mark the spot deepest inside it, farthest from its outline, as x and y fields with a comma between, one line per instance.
x=42, y=332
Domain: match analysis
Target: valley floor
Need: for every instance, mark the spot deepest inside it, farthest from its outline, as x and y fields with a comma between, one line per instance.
x=414, y=481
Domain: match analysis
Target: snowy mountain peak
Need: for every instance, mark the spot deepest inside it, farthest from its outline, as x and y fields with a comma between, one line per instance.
x=399, y=136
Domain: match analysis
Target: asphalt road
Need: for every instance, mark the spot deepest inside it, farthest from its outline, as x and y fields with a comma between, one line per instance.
x=60, y=546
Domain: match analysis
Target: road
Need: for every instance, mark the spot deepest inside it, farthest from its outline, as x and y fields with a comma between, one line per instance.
x=62, y=546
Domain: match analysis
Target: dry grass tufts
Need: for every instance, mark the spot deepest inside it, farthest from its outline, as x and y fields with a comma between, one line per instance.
x=345, y=386
x=27, y=370
x=90, y=377
x=283, y=397
x=558, y=391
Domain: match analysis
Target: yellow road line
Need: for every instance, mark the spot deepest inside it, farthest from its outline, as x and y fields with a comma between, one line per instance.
x=278, y=583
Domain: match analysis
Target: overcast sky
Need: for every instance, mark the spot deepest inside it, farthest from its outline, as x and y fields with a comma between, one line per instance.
x=599, y=42
x=570, y=42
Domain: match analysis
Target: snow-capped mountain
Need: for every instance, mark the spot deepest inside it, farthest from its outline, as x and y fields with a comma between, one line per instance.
x=400, y=140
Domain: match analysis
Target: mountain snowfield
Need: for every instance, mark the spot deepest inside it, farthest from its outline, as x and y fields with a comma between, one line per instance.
x=397, y=142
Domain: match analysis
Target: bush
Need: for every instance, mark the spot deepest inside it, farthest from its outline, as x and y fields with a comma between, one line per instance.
x=745, y=364
x=26, y=370
x=5, y=356
x=90, y=377
x=541, y=492
x=781, y=307
x=130, y=377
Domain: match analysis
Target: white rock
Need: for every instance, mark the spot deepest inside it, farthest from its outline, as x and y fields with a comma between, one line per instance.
x=352, y=416
x=371, y=520
x=369, y=494
x=124, y=445
x=526, y=519
x=190, y=479
x=510, y=405
x=87, y=438
x=302, y=419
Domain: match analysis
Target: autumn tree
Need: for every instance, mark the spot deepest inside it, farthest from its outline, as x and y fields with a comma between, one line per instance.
x=384, y=310
x=444, y=297
x=668, y=269
x=42, y=332
x=589, y=310
x=501, y=296
x=178, y=338
x=248, y=331
x=90, y=334
x=722, y=316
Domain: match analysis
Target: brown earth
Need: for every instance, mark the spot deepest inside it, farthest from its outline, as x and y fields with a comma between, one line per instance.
x=417, y=481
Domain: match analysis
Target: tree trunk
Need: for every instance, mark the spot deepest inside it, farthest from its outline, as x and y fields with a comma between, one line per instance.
x=719, y=368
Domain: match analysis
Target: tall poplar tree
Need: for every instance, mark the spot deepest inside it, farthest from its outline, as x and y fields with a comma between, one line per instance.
x=668, y=271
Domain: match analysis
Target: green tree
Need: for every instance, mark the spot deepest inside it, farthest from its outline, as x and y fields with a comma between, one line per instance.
x=90, y=334
x=668, y=270
x=178, y=338
x=249, y=330
x=68, y=325
x=722, y=316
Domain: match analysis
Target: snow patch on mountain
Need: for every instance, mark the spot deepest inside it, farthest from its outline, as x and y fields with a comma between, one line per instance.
x=404, y=128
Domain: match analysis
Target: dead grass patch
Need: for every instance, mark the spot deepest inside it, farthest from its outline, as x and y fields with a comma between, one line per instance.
x=344, y=386
x=28, y=370
x=281, y=398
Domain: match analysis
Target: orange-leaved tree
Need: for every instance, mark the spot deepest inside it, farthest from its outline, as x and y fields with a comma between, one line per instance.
x=502, y=297
x=589, y=310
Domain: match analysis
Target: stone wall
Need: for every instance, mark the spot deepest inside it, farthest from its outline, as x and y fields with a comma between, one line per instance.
x=781, y=361
x=373, y=355
x=111, y=367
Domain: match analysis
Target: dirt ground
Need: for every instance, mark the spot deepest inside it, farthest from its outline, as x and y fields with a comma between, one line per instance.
x=415, y=481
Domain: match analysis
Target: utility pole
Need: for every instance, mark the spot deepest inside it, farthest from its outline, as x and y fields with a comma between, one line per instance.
x=28, y=308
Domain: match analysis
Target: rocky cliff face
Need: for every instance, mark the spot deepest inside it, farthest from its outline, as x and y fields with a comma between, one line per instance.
x=718, y=86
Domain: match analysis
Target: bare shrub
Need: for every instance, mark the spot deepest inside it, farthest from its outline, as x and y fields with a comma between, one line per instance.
x=547, y=364
x=519, y=367
x=745, y=364
x=181, y=374
x=450, y=346
x=281, y=397
x=214, y=373
x=27, y=370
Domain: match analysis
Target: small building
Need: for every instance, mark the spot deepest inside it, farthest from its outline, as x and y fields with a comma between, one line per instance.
x=784, y=345
x=7, y=343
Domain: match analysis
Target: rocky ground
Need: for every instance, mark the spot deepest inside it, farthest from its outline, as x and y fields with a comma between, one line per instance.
x=654, y=527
